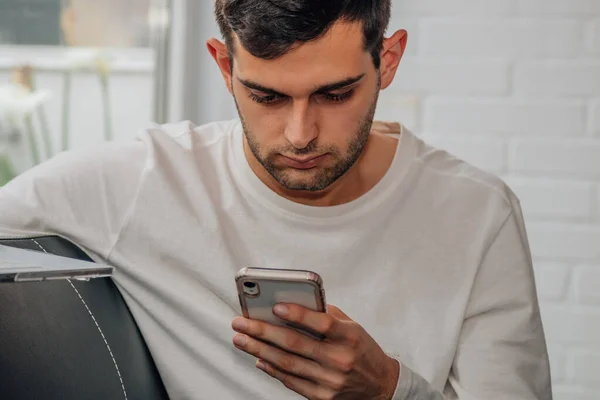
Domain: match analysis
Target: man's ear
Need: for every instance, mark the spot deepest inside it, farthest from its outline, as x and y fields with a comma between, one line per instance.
x=218, y=51
x=391, y=54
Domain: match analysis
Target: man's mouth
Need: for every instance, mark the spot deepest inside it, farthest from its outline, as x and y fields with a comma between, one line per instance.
x=302, y=163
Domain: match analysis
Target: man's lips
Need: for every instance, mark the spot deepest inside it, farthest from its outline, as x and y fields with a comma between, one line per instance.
x=302, y=163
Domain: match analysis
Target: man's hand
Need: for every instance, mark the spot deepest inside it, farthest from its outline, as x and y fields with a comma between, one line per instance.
x=348, y=364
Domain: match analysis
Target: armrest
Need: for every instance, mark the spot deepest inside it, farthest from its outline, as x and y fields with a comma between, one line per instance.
x=71, y=339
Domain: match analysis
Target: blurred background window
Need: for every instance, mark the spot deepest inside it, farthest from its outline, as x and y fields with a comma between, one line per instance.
x=30, y=22
x=74, y=73
x=76, y=22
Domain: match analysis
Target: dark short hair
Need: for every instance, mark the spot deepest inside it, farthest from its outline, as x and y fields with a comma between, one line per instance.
x=268, y=29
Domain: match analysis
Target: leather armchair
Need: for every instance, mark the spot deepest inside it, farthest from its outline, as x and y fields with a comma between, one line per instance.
x=71, y=339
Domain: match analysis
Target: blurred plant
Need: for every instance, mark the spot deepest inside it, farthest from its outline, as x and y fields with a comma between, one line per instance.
x=67, y=25
x=103, y=69
x=66, y=106
x=23, y=77
x=83, y=59
x=7, y=171
x=18, y=103
x=8, y=134
x=98, y=62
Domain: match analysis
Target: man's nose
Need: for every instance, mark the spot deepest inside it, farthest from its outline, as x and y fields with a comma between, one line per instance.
x=301, y=128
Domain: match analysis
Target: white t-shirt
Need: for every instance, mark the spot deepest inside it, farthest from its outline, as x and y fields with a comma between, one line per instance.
x=433, y=261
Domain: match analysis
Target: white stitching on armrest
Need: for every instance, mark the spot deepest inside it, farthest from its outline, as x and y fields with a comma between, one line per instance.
x=97, y=326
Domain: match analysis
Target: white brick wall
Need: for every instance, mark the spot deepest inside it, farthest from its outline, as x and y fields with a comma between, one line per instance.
x=557, y=78
x=553, y=282
x=559, y=8
x=595, y=117
x=597, y=209
x=564, y=241
x=585, y=369
x=456, y=77
x=594, y=40
x=522, y=38
x=488, y=153
x=587, y=285
x=572, y=327
x=525, y=116
x=513, y=86
x=458, y=7
x=547, y=199
x=577, y=158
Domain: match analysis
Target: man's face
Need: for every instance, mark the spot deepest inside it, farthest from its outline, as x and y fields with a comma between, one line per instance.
x=307, y=115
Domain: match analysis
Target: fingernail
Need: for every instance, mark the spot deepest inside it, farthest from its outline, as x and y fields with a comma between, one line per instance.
x=280, y=310
x=240, y=340
x=260, y=365
x=239, y=324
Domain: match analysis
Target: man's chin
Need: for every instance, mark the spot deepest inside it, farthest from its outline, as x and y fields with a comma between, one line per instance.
x=302, y=185
x=312, y=180
x=305, y=188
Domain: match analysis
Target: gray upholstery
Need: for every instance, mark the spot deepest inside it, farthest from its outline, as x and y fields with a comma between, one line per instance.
x=71, y=339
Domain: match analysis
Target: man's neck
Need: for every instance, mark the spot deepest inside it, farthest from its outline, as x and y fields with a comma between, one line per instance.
x=369, y=169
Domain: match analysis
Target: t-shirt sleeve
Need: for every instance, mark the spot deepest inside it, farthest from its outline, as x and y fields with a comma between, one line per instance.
x=502, y=351
x=83, y=196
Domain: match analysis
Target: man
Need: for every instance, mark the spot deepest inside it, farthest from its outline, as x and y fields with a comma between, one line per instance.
x=426, y=255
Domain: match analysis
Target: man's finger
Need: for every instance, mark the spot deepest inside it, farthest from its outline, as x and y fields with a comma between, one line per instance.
x=301, y=386
x=322, y=323
x=337, y=313
x=285, y=338
x=283, y=361
x=324, y=353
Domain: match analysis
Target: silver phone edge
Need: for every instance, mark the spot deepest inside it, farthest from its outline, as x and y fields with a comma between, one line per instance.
x=276, y=275
x=38, y=276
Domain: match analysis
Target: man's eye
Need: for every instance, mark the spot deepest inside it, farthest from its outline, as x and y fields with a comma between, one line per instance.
x=338, y=98
x=272, y=99
x=269, y=99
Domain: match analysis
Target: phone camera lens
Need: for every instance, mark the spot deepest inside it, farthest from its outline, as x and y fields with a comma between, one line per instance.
x=250, y=285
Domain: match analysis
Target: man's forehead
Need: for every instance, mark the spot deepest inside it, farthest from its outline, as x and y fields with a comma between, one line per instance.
x=338, y=55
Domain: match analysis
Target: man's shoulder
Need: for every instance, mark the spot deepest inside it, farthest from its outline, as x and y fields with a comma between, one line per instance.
x=188, y=135
x=453, y=178
x=87, y=163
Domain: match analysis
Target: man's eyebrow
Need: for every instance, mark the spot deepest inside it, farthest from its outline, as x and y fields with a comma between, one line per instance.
x=339, y=85
x=256, y=86
x=322, y=89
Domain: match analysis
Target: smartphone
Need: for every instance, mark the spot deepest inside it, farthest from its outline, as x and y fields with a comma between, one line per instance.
x=260, y=289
